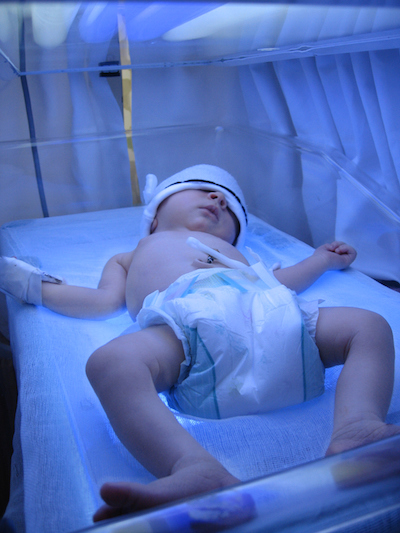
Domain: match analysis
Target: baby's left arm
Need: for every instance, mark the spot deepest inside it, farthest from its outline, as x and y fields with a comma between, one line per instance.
x=333, y=256
x=338, y=255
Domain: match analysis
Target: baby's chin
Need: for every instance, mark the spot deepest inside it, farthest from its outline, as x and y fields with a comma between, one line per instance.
x=227, y=238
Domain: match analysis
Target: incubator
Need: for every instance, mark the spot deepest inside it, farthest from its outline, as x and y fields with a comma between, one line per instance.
x=299, y=101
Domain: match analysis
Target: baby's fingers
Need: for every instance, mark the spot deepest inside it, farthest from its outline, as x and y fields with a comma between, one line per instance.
x=337, y=246
x=343, y=248
x=340, y=248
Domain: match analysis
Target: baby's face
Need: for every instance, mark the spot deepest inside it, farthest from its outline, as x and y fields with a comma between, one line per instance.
x=197, y=210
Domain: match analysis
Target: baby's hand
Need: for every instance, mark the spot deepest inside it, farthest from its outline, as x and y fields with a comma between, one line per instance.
x=338, y=255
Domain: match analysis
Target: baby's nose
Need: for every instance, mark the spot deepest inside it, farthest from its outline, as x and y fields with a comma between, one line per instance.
x=219, y=197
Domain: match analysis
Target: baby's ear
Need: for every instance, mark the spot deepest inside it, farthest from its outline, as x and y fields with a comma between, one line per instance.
x=153, y=226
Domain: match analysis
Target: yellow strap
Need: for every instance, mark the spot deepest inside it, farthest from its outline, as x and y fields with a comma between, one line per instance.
x=127, y=105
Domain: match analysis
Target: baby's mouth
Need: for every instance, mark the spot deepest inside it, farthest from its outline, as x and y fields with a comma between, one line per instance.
x=213, y=210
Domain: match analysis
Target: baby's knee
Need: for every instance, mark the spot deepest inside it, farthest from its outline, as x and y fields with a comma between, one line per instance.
x=339, y=329
x=374, y=334
x=98, y=364
x=374, y=324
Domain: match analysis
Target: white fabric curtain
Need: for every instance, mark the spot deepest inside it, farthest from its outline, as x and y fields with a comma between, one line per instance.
x=341, y=107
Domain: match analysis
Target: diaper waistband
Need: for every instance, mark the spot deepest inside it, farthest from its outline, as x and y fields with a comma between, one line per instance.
x=245, y=279
x=259, y=269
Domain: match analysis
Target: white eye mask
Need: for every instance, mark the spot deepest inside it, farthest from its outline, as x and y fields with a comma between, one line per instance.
x=205, y=177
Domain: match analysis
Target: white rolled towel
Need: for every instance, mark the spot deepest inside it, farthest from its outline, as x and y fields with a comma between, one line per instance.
x=23, y=281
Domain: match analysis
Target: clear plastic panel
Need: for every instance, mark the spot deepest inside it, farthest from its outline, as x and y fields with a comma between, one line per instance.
x=71, y=36
x=353, y=492
x=64, y=176
x=315, y=196
x=309, y=170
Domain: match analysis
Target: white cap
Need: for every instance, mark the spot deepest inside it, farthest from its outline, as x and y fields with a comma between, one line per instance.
x=206, y=177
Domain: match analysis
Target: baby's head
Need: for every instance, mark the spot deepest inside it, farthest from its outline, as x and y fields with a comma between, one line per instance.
x=204, y=177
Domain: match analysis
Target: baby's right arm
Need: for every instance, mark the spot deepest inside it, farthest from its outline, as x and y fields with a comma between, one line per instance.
x=82, y=302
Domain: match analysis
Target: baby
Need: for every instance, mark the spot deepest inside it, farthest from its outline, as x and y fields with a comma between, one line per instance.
x=223, y=337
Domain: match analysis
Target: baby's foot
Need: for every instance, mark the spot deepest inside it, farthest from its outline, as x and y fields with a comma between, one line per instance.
x=359, y=433
x=190, y=480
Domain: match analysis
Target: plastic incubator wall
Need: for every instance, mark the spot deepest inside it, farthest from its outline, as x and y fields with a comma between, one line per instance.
x=298, y=101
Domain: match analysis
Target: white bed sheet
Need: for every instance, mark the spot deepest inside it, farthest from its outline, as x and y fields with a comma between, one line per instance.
x=65, y=448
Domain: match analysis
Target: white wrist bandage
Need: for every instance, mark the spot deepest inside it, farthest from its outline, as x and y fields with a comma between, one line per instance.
x=23, y=281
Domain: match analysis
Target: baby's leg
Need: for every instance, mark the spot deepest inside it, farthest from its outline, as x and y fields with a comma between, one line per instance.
x=127, y=374
x=363, y=342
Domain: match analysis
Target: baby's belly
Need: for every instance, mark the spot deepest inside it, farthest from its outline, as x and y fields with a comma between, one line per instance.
x=136, y=292
x=159, y=260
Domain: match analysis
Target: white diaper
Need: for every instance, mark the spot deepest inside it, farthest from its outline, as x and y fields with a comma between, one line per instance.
x=248, y=346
